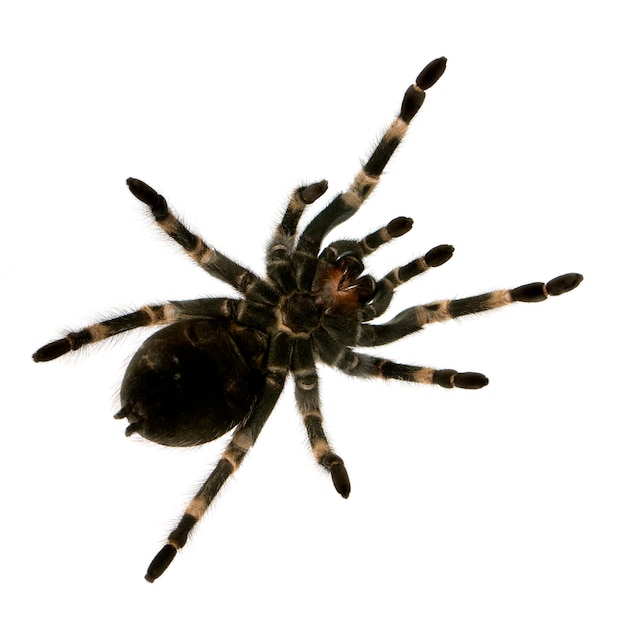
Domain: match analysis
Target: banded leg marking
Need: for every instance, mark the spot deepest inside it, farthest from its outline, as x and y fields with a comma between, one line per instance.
x=149, y=315
x=146, y=316
x=365, y=365
x=243, y=439
x=347, y=203
x=308, y=400
x=415, y=318
x=299, y=200
x=208, y=258
x=229, y=462
x=354, y=363
x=361, y=248
x=278, y=259
x=398, y=276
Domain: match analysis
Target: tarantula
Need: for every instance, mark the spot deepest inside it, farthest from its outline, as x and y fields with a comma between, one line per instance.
x=221, y=363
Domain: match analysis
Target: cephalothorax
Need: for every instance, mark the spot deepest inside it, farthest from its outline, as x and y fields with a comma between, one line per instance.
x=221, y=363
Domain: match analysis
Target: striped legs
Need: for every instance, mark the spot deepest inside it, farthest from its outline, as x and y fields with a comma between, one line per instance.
x=365, y=365
x=346, y=204
x=411, y=320
x=415, y=318
x=151, y=315
x=354, y=363
x=243, y=439
x=400, y=275
x=280, y=269
x=370, y=243
x=208, y=258
x=308, y=399
x=282, y=350
x=313, y=306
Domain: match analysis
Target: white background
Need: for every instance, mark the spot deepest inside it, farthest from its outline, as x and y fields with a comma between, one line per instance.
x=499, y=506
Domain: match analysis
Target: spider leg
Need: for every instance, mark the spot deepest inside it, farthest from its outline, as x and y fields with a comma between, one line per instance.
x=364, y=365
x=153, y=315
x=308, y=399
x=370, y=243
x=243, y=439
x=415, y=318
x=400, y=275
x=208, y=258
x=278, y=258
x=347, y=203
x=300, y=198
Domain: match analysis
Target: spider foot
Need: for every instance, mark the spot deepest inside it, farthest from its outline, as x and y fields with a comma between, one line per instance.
x=461, y=380
x=537, y=292
x=563, y=284
x=398, y=227
x=148, y=196
x=161, y=562
x=52, y=351
x=338, y=473
x=431, y=73
x=311, y=193
x=414, y=96
x=439, y=255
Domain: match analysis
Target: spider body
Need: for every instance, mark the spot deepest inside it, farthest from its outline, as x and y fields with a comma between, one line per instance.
x=220, y=364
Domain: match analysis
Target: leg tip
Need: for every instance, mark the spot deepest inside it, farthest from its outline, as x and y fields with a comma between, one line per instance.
x=341, y=481
x=563, y=284
x=137, y=187
x=311, y=193
x=160, y=562
x=431, y=73
x=470, y=380
x=144, y=193
x=461, y=380
x=52, y=350
x=439, y=255
x=399, y=226
x=338, y=473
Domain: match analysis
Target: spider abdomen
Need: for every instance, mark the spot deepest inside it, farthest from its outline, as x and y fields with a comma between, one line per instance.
x=193, y=381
